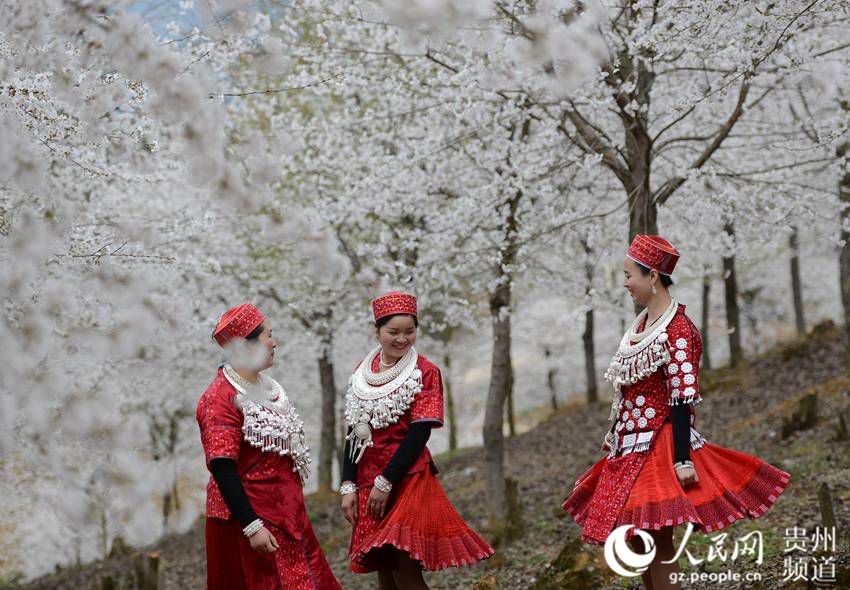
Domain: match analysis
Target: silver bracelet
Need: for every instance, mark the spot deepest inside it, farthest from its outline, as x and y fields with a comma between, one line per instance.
x=348, y=487
x=383, y=484
x=253, y=528
x=680, y=464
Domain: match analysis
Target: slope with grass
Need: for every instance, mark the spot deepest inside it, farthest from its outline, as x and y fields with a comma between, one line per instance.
x=744, y=409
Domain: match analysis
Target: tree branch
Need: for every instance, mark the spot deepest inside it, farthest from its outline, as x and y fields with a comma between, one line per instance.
x=596, y=143
x=276, y=90
x=672, y=185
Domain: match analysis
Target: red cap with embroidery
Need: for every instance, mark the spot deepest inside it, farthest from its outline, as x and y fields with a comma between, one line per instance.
x=654, y=252
x=237, y=322
x=394, y=303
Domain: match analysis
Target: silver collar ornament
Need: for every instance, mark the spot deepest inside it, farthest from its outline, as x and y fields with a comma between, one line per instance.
x=271, y=421
x=376, y=400
x=633, y=362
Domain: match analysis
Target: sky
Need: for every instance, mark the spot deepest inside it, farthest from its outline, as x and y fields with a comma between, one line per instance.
x=159, y=13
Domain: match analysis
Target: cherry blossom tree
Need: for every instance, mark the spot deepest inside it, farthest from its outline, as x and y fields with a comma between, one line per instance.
x=486, y=155
x=113, y=165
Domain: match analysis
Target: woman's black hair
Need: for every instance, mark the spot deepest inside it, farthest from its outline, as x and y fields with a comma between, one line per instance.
x=383, y=321
x=665, y=279
x=255, y=333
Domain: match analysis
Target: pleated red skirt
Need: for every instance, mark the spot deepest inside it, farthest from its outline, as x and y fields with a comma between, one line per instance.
x=233, y=565
x=732, y=485
x=420, y=521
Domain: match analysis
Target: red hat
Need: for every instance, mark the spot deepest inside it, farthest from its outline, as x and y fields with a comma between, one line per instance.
x=654, y=252
x=237, y=322
x=393, y=303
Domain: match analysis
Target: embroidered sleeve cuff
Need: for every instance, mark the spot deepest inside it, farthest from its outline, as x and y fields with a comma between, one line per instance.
x=221, y=443
x=428, y=404
x=437, y=421
x=685, y=398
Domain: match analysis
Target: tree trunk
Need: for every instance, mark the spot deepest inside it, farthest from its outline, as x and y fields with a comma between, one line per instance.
x=500, y=379
x=164, y=437
x=329, y=393
x=827, y=506
x=796, y=284
x=172, y=452
x=844, y=258
x=550, y=377
x=495, y=408
x=104, y=535
x=510, y=406
x=749, y=298
x=706, y=290
x=147, y=571
x=733, y=320
x=643, y=211
x=587, y=336
x=590, y=358
x=450, y=402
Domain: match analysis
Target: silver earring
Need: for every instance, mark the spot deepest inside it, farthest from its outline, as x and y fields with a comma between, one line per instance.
x=654, y=291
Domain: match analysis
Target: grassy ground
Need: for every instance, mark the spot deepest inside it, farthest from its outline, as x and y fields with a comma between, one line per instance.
x=744, y=409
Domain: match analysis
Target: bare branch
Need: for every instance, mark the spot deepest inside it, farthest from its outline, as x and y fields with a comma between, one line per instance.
x=276, y=90
x=596, y=143
x=668, y=188
x=827, y=159
x=673, y=123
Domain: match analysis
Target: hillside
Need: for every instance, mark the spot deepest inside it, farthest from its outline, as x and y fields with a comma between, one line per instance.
x=743, y=409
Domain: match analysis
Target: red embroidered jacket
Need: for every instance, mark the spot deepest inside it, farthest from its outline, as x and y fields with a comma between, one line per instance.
x=273, y=487
x=645, y=405
x=427, y=406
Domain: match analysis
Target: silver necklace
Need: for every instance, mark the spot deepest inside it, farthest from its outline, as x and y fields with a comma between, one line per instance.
x=633, y=362
x=371, y=405
x=271, y=424
x=382, y=363
x=637, y=337
x=377, y=379
x=243, y=385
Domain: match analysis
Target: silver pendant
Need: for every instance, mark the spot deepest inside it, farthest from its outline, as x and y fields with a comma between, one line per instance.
x=362, y=431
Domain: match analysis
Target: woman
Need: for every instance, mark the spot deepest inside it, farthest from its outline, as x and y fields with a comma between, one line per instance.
x=258, y=536
x=659, y=471
x=403, y=521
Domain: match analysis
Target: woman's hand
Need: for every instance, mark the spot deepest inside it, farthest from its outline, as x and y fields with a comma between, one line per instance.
x=377, y=503
x=349, y=507
x=263, y=541
x=606, y=442
x=687, y=475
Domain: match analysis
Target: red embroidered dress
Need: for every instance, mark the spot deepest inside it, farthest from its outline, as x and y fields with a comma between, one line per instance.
x=419, y=518
x=273, y=484
x=636, y=483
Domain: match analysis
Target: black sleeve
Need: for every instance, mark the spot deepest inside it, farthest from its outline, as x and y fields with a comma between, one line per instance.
x=231, y=488
x=408, y=451
x=349, y=467
x=681, y=418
